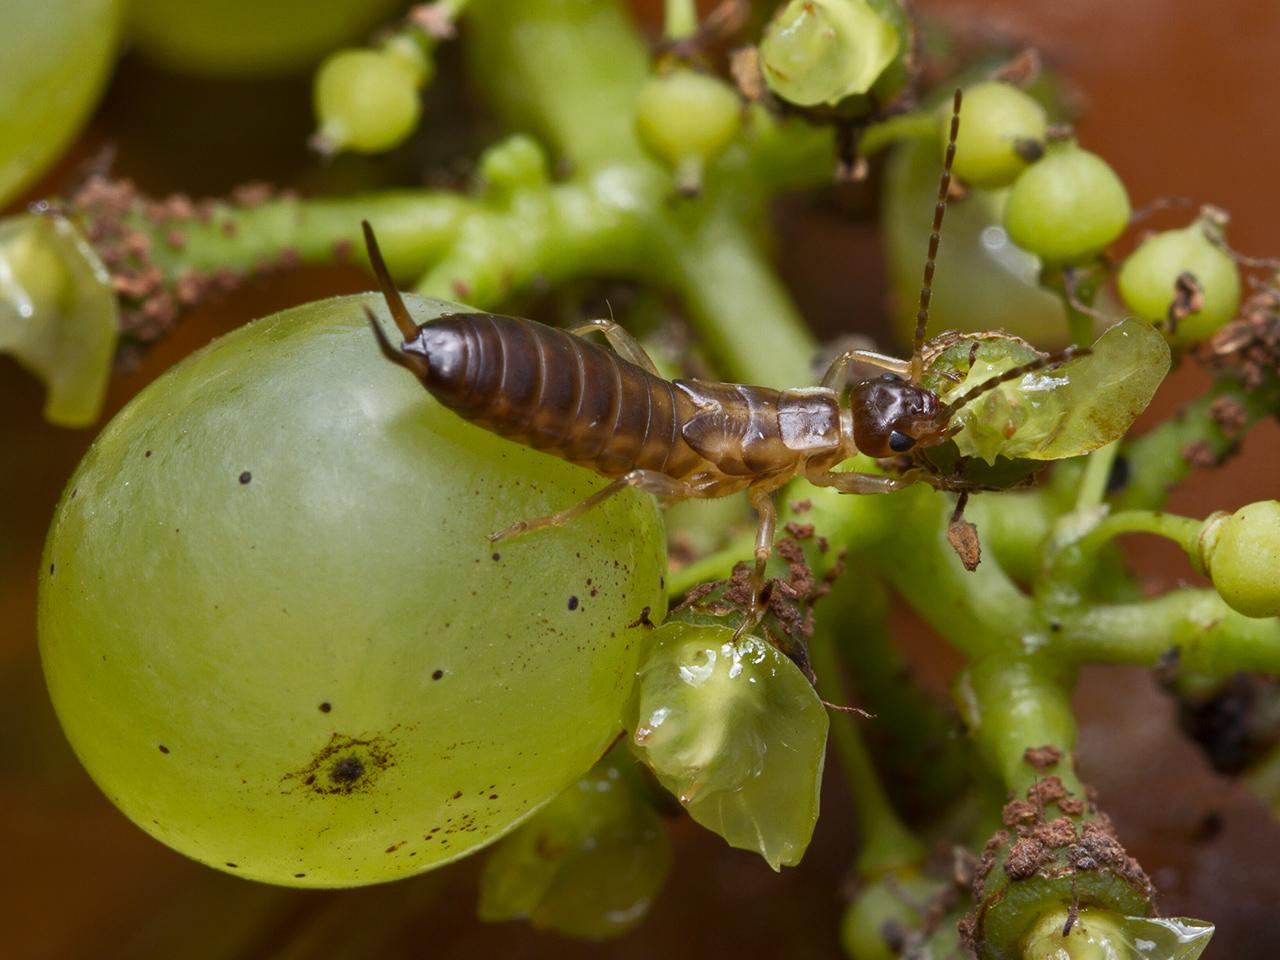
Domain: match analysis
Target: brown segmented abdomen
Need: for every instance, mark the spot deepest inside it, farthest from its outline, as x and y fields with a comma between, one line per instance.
x=556, y=392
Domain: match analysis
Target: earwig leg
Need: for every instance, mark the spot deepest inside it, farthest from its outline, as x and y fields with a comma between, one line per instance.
x=767, y=512
x=854, y=482
x=838, y=373
x=650, y=481
x=624, y=344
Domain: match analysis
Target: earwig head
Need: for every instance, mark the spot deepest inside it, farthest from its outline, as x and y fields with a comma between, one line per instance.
x=892, y=416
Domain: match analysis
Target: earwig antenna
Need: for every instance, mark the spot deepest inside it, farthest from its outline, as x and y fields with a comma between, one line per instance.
x=1014, y=373
x=399, y=312
x=935, y=235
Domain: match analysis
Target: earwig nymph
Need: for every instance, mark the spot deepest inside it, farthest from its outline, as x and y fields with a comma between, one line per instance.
x=611, y=412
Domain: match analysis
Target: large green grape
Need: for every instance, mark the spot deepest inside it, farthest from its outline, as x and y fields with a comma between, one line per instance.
x=250, y=37
x=277, y=636
x=56, y=56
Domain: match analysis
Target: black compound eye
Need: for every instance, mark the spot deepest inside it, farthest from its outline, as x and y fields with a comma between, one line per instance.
x=899, y=442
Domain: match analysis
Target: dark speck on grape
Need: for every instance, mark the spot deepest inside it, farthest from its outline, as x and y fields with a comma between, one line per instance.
x=497, y=556
x=147, y=454
x=163, y=748
x=246, y=477
x=233, y=866
x=346, y=770
x=573, y=603
x=326, y=707
x=437, y=674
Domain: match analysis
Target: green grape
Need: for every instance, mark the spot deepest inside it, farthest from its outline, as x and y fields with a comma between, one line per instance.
x=686, y=119
x=897, y=901
x=228, y=38
x=58, y=314
x=1147, y=280
x=737, y=733
x=516, y=163
x=1056, y=412
x=57, y=55
x=588, y=864
x=366, y=101
x=278, y=638
x=822, y=51
x=983, y=281
x=998, y=117
x=1067, y=206
x=1102, y=935
x=1241, y=554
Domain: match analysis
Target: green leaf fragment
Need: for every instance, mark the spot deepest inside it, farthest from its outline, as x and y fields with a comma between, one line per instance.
x=587, y=865
x=58, y=314
x=737, y=733
x=1066, y=410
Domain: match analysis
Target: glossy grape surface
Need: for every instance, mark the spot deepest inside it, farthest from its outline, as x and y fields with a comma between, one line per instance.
x=56, y=57
x=277, y=636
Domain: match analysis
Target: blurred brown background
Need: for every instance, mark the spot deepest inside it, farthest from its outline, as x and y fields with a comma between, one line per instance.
x=1181, y=100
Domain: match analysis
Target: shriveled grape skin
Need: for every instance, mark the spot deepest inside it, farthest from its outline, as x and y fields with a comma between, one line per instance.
x=272, y=566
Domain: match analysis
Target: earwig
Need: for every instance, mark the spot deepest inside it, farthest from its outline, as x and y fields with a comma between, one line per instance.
x=612, y=412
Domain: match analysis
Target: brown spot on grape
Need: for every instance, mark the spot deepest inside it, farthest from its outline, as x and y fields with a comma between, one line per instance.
x=326, y=707
x=163, y=748
x=233, y=866
x=51, y=569
x=573, y=603
x=246, y=477
x=457, y=795
x=437, y=674
x=299, y=875
x=346, y=765
x=497, y=556
x=147, y=454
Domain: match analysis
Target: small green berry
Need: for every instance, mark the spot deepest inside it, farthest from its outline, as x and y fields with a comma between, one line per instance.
x=998, y=119
x=1067, y=206
x=1241, y=554
x=686, y=119
x=366, y=100
x=512, y=164
x=1148, y=278
x=821, y=51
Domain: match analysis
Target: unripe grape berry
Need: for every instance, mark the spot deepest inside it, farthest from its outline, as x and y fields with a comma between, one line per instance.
x=997, y=118
x=686, y=119
x=1241, y=554
x=365, y=101
x=278, y=637
x=1148, y=279
x=821, y=51
x=1067, y=206
x=516, y=163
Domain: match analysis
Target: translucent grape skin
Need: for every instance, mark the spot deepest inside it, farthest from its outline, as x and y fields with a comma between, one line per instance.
x=1067, y=206
x=276, y=634
x=57, y=55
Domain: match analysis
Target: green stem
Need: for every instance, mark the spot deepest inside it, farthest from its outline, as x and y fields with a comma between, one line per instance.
x=568, y=72
x=1158, y=461
x=1093, y=485
x=1012, y=704
x=680, y=20
x=917, y=125
x=887, y=842
x=1206, y=634
x=414, y=227
x=743, y=314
